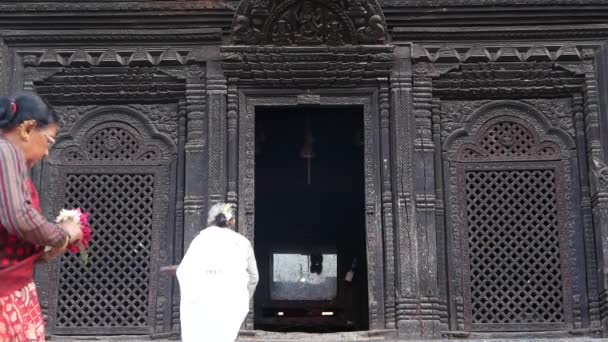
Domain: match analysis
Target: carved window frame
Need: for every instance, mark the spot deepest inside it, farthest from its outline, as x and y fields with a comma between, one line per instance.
x=58, y=166
x=455, y=167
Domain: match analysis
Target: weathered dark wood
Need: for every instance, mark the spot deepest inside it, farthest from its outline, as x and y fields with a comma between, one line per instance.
x=429, y=75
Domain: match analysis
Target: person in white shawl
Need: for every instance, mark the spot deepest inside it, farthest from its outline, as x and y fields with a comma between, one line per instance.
x=217, y=278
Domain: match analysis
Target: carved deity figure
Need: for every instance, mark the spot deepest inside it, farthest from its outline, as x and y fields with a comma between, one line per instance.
x=282, y=33
x=374, y=31
x=356, y=7
x=243, y=31
x=334, y=34
x=260, y=7
x=309, y=21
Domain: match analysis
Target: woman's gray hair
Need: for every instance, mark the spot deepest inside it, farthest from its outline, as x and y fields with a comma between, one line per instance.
x=227, y=209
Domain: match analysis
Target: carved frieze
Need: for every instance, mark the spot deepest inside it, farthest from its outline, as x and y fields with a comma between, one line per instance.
x=308, y=22
x=453, y=53
x=201, y=36
x=127, y=56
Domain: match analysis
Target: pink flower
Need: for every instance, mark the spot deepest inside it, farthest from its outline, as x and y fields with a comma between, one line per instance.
x=78, y=247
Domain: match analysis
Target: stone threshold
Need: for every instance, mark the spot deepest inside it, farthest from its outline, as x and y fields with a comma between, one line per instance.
x=356, y=336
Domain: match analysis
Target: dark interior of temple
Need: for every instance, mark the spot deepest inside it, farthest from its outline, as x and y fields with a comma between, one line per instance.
x=309, y=223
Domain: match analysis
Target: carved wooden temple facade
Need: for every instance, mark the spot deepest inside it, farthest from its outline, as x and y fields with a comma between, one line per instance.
x=453, y=152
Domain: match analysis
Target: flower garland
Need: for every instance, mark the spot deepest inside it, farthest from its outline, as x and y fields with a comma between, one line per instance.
x=82, y=218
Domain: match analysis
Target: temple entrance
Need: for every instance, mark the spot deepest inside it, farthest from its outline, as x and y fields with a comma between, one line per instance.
x=310, y=239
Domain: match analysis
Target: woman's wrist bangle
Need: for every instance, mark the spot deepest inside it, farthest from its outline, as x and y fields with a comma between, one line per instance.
x=68, y=239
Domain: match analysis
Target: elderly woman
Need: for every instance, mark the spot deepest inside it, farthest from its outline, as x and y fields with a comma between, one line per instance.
x=27, y=130
x=217, y=278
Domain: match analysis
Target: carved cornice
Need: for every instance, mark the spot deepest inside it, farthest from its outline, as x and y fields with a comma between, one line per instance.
x=114, y=6
x=164, y=5
x=198, y=36
x=468, y=53
x=406, y=20
x=462, y=3
x=307, y=66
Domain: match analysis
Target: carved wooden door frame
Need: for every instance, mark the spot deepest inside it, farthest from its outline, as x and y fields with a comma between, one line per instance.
x=248, y=101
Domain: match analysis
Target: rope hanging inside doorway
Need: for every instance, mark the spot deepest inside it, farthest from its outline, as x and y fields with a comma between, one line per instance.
x=307, y=151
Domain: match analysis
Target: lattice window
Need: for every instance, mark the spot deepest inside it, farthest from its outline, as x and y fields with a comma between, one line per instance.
x=507, y=138
x=112, y=143
x=510, y=201
x=514, y=249
x=112, y=290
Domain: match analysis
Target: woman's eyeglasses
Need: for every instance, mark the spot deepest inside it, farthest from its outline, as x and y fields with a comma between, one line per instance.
x=49, y=139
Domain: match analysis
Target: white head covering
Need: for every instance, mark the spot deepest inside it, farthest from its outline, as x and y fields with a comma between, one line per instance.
x=220, y=208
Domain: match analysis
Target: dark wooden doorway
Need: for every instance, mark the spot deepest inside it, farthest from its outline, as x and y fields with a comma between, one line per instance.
x=310, y=200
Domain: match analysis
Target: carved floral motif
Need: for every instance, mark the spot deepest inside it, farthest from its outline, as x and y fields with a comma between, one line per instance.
x=68, y=115
x=453, y=114
x=558, y=111
x=164, y=117
x=600, y=169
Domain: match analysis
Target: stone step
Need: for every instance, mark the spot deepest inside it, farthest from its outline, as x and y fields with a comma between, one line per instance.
x=355, y=336
x=260, y=336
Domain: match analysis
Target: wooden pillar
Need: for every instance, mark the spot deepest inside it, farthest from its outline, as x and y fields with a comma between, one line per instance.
x=418, y=301
x=598, y=174
x=216, y=99
x=196, y=154
x=387, y=204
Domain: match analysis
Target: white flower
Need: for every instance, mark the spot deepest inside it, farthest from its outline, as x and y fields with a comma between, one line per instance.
x=68, y=215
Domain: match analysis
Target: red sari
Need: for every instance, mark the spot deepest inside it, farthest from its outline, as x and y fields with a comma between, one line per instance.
x=21, y=318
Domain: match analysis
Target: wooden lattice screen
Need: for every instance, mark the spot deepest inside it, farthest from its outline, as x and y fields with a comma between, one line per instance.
x=511, y=202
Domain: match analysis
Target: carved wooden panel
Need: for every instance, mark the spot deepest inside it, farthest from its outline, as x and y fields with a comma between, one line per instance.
x=509, y=220
x=117, y=167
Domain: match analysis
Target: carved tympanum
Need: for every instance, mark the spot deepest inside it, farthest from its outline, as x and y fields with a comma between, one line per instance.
x=112, y=142
x=507, y=140
x=308, y=22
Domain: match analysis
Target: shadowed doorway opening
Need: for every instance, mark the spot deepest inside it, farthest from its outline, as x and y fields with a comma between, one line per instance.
x=310, y=239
